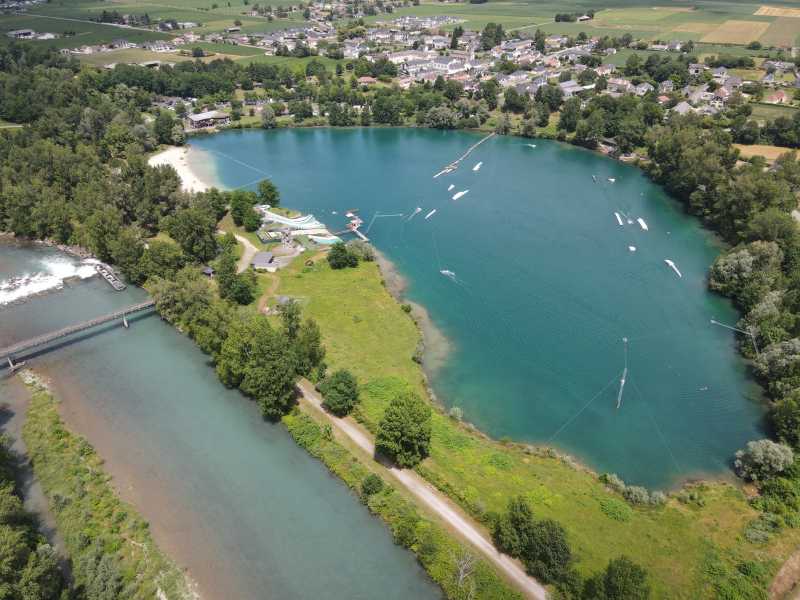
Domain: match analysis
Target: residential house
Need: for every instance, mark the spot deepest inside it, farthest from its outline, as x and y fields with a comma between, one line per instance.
x=514, y=78
x=697, y=68
x=666, y=87
x=643, y=88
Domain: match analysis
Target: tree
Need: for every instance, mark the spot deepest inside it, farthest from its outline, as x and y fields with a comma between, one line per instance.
x=340, y=257
x=163, y=127
x=268, y=119
x=268, y=193
x=512, y=530
x=570, y=114
x=547, y=554
x=404, y=433
x=491, y=36
x=194, y=229
x=622, y=579
x=160, y=259
x=241, y=206
x=785, y=419
x=309, y=352
x=340, y=392
x=259, y=361
x=441, y=117
x=762, y=460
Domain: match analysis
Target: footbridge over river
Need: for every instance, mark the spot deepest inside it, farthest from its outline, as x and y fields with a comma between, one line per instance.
x=7, y=354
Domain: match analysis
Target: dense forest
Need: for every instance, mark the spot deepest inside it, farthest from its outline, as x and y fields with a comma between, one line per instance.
x=77, y=173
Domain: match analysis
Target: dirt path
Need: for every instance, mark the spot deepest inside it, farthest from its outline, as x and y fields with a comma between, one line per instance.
x=431, y=498
x=248, y=252
x=785, y=584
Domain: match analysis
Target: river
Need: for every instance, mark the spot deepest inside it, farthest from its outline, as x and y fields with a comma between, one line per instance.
x=230, y=497
x=543, y=284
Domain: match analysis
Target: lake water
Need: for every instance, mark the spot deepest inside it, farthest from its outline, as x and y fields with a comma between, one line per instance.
x=230, y=497
x=545, y=287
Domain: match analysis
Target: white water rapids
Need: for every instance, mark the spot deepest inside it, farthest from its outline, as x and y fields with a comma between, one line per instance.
x=54, y=272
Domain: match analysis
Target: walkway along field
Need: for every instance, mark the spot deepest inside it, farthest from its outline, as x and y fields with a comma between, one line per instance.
x=432, y=499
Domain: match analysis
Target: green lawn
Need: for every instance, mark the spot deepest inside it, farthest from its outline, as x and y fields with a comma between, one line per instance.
x=289, y=61
x=772, y=111
x=686, y=547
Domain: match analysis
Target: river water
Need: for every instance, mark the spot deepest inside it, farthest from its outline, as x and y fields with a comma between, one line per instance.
x=229, y=496
x=543, y=286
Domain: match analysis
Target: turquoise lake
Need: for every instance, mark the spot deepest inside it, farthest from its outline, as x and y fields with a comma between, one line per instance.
x=229, y=496
x=545, y=287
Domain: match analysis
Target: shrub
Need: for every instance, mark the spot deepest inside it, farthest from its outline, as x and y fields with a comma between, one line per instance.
x=362, y=250
x=371, y=484
x=340, y=257
x=341, y=393
x=762, y=459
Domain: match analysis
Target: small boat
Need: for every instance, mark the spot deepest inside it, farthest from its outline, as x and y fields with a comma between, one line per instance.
x=415, y=213
x=642, y=224
x=447, y=273
x=619, y=219
x=477, y=167
x=594, y=178
x=430, y=214
x=333, y=212
x=672, y=266
x=451, y=186
x=611, y=180
x=632, y=248
x=531, y=145
x=458, y=195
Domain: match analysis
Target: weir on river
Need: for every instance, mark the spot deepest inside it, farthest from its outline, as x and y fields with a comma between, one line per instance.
x=7, y=354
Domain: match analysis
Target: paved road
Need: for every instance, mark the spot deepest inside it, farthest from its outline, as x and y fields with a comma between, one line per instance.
x=434, y=500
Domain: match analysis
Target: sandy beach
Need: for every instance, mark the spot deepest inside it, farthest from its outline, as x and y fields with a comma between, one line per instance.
x=176, y=157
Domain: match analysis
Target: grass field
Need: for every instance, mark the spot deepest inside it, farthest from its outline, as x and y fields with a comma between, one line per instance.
x=691, y=550
x=772, y=111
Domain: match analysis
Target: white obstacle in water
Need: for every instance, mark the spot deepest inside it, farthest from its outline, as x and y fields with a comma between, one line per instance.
x=450, y=187
x=642, y=223
x=672, y=266
x=619, y=219
x=430, y=214
x=477, y=167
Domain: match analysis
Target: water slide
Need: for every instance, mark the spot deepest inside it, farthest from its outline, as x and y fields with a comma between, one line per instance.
x=303, y=222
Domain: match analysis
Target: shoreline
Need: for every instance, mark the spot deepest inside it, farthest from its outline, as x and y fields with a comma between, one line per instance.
x=176, y=157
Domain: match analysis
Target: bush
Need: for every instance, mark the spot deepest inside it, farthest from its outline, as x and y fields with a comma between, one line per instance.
x=362, y=250
x=404, y=433
x=762, y=459
x=340, y=257
x=371, y=484
x=547, y=554
x=341, y=393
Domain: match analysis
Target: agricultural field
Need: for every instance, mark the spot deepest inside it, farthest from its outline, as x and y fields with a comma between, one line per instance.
x=75, y=32
x=195, y=11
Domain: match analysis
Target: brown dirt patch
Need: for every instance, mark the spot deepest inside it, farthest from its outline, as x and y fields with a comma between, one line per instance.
x=736, y=32
x=774, y=11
